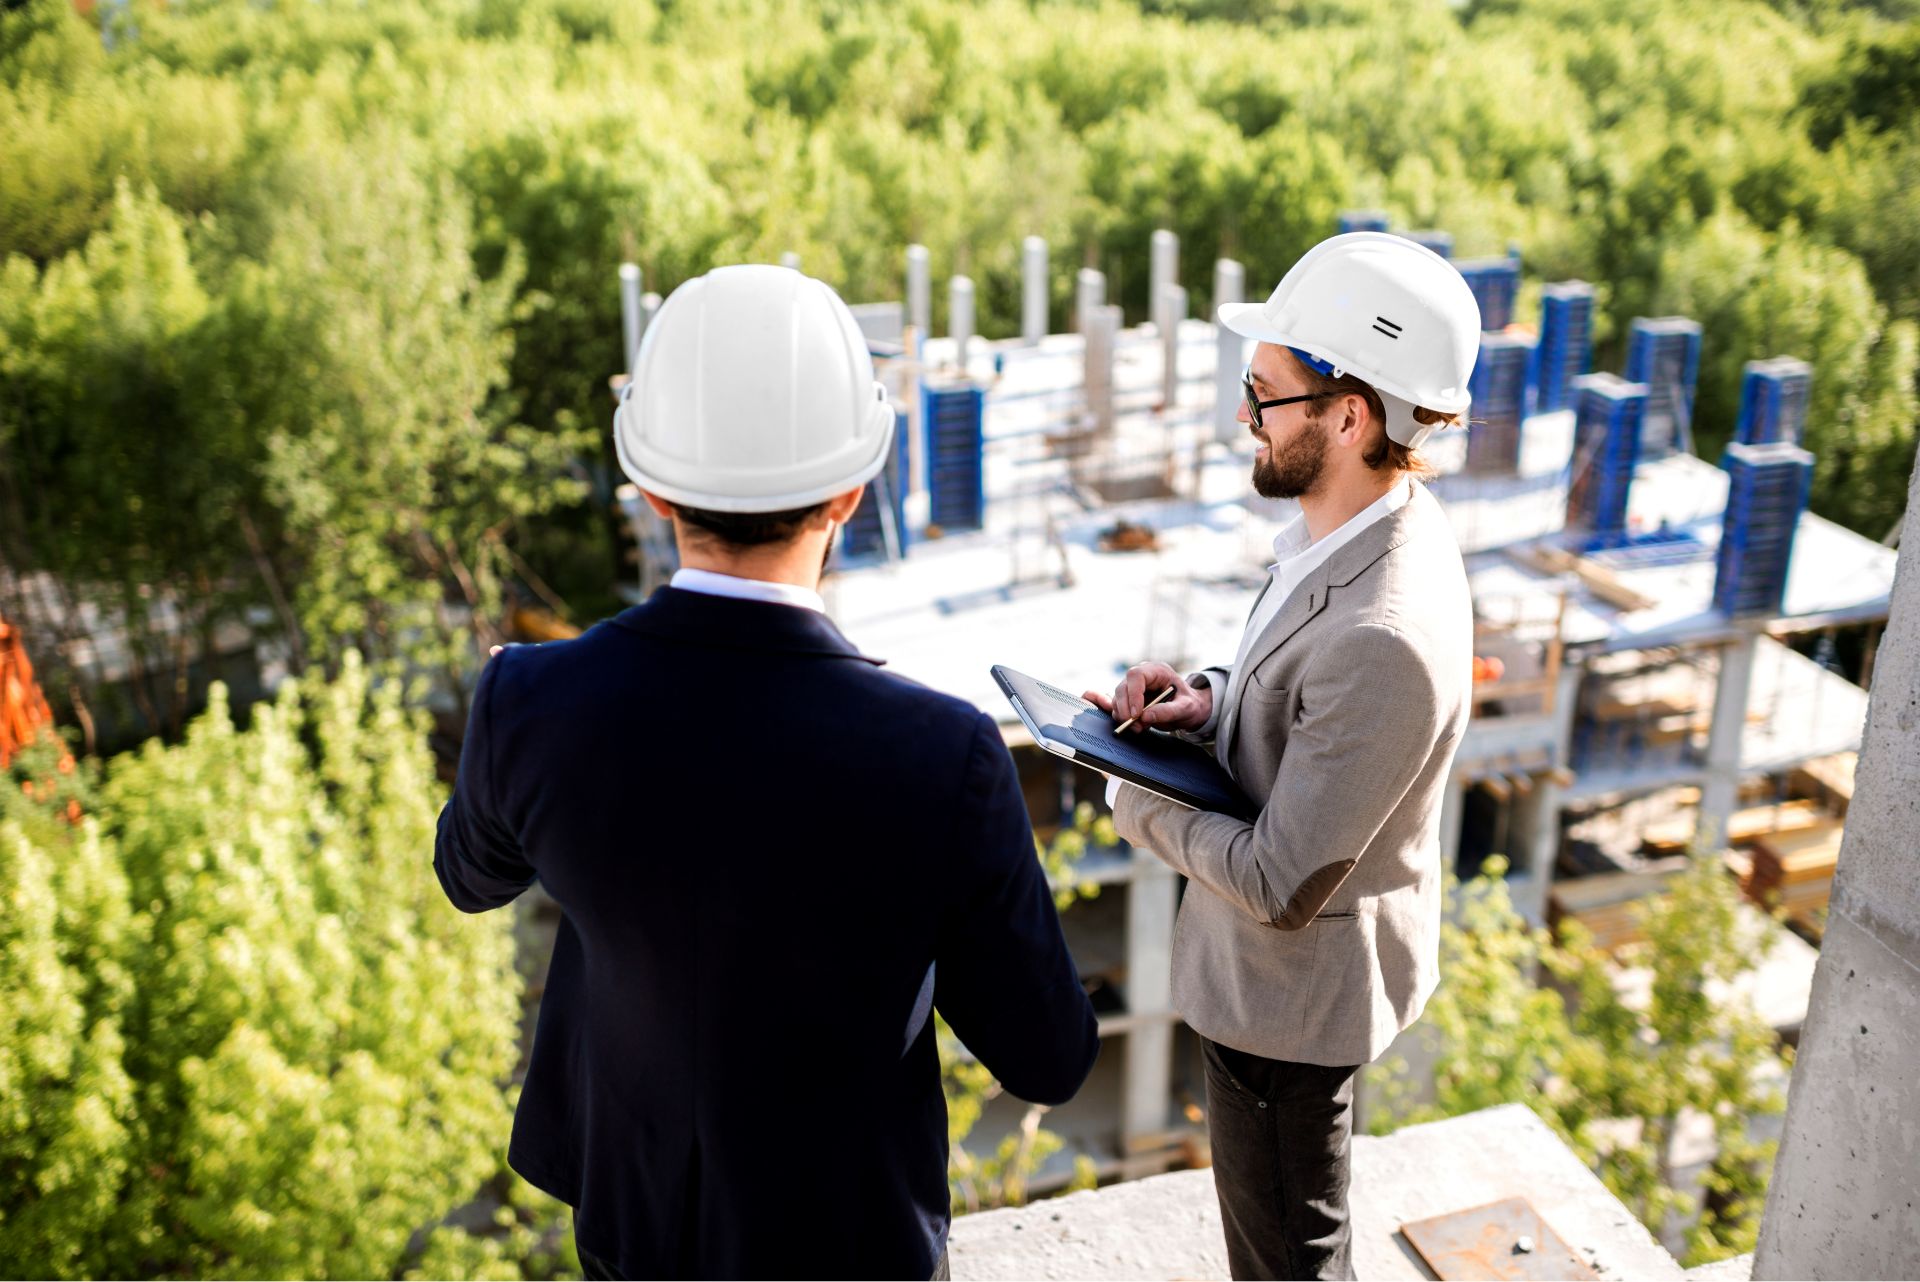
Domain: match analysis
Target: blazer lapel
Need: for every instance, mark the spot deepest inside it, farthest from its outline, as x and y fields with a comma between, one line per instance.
x=1310, y=596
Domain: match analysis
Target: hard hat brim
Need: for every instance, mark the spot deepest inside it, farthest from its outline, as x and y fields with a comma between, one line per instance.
x=1249, y=320
x=707, y=500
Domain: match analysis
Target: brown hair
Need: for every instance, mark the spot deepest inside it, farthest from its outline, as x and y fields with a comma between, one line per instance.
x=741, y=530
x=1384, y=453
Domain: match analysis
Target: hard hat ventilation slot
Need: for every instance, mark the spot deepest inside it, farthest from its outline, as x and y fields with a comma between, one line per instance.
x=1384, y=326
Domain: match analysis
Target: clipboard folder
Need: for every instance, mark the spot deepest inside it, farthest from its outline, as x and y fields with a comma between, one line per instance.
x=1070, y=727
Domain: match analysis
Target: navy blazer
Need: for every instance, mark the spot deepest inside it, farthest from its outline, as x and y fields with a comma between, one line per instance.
x=768, y=880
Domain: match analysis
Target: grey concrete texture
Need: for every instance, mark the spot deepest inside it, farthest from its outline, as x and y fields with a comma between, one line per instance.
x=1739, y=1268
x=1844, y=1201
x=1169, y=1226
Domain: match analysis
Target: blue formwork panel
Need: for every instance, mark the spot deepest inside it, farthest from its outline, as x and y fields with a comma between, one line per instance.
x=1363, y=220
x=1566, y=343
x=1664, y=353
x=1773, y=401
x=1495, y=283
x=865, y=535
x=1440, y=242
x=1767, y=489
x=1606, y=449
x=1499, y=390
x=956, y=479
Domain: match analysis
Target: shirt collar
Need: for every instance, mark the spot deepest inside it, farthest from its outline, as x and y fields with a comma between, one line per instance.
x=729, y=585
x=1294, y=537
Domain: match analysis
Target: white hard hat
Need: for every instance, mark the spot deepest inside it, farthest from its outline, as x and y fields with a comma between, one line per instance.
x=1393, y=314
x=753, y=392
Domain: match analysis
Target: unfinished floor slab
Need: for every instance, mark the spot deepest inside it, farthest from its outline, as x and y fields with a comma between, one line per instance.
x=1169, y=1226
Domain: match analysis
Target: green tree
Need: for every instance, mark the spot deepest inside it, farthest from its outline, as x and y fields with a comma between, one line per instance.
x=1614, y=1076
x=243, y=1034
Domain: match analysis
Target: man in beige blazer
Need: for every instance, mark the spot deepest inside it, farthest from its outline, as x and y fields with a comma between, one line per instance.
x=1310, y=937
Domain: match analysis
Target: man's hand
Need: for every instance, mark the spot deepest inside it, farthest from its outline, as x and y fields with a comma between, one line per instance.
x=1185, y=709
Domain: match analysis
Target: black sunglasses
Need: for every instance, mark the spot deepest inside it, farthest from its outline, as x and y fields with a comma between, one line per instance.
x=1255, y=404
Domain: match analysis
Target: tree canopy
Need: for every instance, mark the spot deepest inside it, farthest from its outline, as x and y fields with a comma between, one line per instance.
x=308, y=310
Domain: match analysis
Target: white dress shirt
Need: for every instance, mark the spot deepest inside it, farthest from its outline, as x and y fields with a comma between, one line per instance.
x=1296, y=555
x=746, y=589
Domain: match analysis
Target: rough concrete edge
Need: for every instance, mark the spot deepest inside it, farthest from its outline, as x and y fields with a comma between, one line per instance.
x=1737, y=1268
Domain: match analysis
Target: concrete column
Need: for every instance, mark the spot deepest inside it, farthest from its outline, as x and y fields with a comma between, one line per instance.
x=1720, y=793
x=960, y=317
x=1089, y=296
x=919, y=291
x=630, y=327
x=1451, y=801
x=1173, y=310
x=1033, y=289
x=1229, y=286
x=649, y=308
x=1147, y=1081
x=1845, y=1195
x=790, y=259
x=1534, y=841
x=1546, y=836
x=1103, y=334
x=1165, y=269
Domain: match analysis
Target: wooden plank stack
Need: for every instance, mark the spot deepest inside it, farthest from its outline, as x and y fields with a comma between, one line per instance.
x=1794, y=871
x=1828, y=778
x=1672, y=836
x=1607, y=904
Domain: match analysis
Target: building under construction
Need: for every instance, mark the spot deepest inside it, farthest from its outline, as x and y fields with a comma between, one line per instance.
x=1655, y=664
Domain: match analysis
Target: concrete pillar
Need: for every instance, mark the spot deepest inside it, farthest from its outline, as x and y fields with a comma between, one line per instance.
x=1147, y=1080
x=630, y=326
x=1720, y=792
x=1089, y=296
x=1033, y=289
x=1229, y=286
x=1164, y=271
x=1103, y=336
x=1845, y=1195
x=1173, y=310
x=1533, y=842
x=791, y=260
x=1451, y=801
x=919, y=291
x=649, y=308
x=960, y=317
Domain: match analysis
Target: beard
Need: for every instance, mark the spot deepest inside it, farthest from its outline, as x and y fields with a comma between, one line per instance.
x=1293, y=469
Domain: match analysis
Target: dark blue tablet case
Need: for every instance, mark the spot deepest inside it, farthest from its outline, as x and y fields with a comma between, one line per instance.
x=1157, y=761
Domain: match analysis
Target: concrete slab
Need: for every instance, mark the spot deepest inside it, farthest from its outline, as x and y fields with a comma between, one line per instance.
x=1169, y=1226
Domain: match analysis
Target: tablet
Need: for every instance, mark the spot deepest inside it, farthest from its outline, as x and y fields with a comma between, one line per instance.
x=1161, y=763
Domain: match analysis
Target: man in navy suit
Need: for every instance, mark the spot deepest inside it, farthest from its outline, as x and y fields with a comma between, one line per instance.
x=775, y=860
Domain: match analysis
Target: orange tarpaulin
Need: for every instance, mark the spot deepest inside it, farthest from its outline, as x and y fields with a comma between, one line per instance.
x=23, y=708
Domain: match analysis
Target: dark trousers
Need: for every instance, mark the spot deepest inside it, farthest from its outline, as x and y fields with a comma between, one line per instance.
x=1281, y=1135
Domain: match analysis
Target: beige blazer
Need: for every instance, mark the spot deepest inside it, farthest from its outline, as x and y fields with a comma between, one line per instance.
x=1312, y=934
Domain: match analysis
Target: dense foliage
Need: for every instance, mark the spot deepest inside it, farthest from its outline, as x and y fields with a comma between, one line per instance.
x=243, y=1034
x=1616, y=1073
x=308, y=309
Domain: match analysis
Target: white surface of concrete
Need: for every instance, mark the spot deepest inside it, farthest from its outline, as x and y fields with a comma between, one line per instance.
x=1169, y=1226
x=1845, y=1197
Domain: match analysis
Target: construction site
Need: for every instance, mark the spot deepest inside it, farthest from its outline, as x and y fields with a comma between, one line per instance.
x=1658, y=637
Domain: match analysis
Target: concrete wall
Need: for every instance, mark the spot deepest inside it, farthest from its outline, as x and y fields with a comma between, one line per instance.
x=1845, y=1197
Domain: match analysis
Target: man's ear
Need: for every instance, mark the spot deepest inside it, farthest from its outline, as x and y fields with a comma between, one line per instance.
x=661, y=508
x=1355, y=419
x=841, y=506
